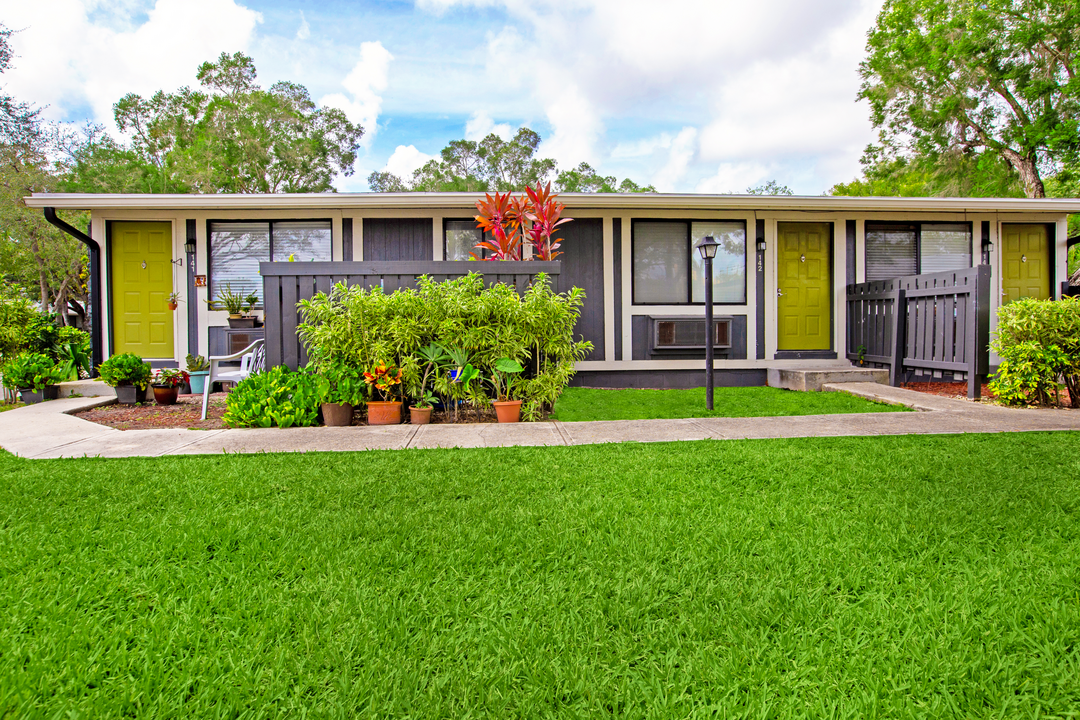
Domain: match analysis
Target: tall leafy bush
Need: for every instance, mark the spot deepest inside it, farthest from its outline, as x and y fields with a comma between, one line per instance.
x=1038, y=342
x=361, y=328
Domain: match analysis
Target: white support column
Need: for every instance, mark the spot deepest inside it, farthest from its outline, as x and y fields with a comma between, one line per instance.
x=358, y=238
x=860, y=251
x=609, y=290
x=437, y=237
x=627, y=290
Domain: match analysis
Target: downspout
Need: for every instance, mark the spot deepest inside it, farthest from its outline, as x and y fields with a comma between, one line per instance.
x=94, y=253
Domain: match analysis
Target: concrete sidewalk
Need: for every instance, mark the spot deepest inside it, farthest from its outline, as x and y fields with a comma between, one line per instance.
x=48, y=430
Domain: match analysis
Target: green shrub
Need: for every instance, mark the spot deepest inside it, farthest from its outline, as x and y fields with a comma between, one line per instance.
x=278, y=397
x=125, y=369
x=361, y=328
x=341, y=384
x=1038, y=342
x=31, y=371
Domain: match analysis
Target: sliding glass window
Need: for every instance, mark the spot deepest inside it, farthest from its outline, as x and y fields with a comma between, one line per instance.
x=667, y=270
x=237, y=248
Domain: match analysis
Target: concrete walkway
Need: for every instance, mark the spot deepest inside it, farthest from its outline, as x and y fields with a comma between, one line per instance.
x=48, y=430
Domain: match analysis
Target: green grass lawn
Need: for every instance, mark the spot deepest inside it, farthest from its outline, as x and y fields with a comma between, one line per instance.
x=886, y=577
x=600, y=404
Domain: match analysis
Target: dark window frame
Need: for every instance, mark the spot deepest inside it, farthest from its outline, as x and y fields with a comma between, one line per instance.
x=916, y=227
x=270, y=223
x=689, y=261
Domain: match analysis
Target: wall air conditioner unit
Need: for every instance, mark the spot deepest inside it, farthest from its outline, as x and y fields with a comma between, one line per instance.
x=689, y=333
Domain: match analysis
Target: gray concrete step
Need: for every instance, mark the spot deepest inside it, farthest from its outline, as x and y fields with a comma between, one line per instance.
x=815, y=378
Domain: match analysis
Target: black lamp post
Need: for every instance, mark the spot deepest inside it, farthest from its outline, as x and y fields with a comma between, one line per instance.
x=707, y=247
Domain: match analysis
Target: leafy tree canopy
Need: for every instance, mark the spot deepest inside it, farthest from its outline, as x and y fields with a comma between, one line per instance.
x=229, y=136
x=770, y=188
x=997, y=76
x=494, y=164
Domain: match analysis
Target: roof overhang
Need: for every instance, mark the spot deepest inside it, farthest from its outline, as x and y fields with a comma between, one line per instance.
x=632, y=201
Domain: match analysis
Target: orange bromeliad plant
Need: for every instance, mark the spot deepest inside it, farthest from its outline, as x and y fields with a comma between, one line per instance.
x=533, y=216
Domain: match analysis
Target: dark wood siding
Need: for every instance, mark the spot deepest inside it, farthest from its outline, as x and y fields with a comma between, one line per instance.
x=397, y=239
x=583, y=267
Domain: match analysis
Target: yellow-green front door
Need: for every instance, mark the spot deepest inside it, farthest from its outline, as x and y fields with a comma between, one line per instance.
x=803, y=282
x=141, y=262
x=1025, y=262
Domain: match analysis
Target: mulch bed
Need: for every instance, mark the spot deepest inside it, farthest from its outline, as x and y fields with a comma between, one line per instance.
x=185, y=414
x=958, y=390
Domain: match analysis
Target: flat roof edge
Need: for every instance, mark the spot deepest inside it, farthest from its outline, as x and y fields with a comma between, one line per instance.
x=386, y=201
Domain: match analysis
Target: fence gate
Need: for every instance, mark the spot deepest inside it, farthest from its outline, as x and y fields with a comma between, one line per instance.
x=287, y=283
x=932, y=322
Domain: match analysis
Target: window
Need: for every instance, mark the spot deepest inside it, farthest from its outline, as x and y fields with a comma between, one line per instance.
x=668, y=270
x=895, y=250
x=237, y=248
x=460, y=239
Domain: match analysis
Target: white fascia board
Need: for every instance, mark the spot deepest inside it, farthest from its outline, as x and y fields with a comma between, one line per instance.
x=634, y=201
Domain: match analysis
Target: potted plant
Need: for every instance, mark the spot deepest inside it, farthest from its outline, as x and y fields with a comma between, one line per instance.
x=34, y=375
x=384, y=380
x=166, y=384
x=507, y=410
x=340, y=389
x=232, y=303
x=129, y=375
x=173, y=300
x=198, y=368
x=434, y=357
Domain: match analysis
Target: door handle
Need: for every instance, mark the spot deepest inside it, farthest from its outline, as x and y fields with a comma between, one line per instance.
x=779, y=292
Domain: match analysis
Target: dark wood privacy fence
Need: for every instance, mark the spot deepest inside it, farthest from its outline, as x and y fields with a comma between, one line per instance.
x=287, y=283
x=937, y=321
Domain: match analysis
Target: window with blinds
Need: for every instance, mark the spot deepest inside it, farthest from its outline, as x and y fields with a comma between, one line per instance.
x=895, y=250
x=460, y=238
x=237, y=248
x=669, y=271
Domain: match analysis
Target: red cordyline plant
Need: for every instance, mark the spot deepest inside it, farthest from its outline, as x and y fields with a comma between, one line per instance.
x=533, y=216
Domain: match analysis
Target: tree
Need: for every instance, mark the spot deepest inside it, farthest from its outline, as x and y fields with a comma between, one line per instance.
x=961, y=77
x=962, y=174
x=497, y=165
x=770, y=188
x=33, y=254
x=231, y=136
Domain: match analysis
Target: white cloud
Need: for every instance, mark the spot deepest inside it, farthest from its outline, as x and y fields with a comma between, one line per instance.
x=734, y=178
x=67, y=61
x=480, y=125
x=365, y=83
x=683, y=149
x=304, y=31
x=575, y=125
x=406, y=160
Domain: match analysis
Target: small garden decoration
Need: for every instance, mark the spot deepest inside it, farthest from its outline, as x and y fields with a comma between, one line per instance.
x=166, y=383
x=129, y=375
x=384, y=380
x=173, y=300
x=34, y=375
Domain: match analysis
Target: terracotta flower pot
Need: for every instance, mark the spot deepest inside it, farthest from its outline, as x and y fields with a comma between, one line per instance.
x=165, y=395
x=337, y=414
x=420, y=416
x=171, y=306
x=384, y=413
x=508, y=411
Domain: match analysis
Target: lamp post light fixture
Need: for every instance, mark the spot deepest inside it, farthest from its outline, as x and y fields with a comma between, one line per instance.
x=707, y=248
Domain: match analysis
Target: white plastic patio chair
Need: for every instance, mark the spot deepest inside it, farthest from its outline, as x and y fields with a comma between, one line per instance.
x=252, y=360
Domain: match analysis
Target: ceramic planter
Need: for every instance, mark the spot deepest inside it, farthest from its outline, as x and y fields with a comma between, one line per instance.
x=129, y=394
x=384, y=413
x=171, y=306
x=508, y=411
x=337, y=414
x=165, y=395
x=420, y=416
x=29, y=396
x=198, y=381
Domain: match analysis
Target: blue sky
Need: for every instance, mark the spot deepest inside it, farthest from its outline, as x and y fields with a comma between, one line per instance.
x=691, y=96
